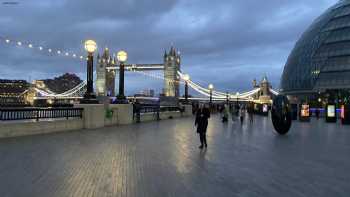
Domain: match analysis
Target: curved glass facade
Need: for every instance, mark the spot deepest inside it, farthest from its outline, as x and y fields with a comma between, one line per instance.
x=320, y=60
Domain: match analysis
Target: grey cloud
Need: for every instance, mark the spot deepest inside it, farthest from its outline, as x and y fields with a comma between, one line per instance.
x=248, y=37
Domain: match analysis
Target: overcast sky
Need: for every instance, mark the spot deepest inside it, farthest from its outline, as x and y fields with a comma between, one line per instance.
x=225, y=42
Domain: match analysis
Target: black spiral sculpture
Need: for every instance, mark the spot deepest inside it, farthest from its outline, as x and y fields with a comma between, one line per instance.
x=281, y=114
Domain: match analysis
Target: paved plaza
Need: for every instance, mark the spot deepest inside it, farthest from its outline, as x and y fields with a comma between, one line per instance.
x=162, y=159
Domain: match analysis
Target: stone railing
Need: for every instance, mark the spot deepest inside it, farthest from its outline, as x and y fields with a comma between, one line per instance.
x=93, y=116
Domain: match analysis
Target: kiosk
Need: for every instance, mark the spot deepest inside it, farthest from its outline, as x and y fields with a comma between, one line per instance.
x=294, y=111
x=345, y=114
x=331, y=113
x=304, y=113
x=265, y=110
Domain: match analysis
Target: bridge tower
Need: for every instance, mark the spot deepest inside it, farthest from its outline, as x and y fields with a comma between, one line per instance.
x=265, y=94
x=110, y=79
x=105, y=81
x=265, y=86
x=172, y=62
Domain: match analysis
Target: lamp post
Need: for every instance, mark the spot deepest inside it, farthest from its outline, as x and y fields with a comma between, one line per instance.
x=186, y=79
x=122, y=56
x=237, y=95
x=319, y=102
x=211, y=87
x=227, y=98
x=89, y=96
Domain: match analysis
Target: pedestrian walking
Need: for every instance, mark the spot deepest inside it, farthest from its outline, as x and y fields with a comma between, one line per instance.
x=242, y=115
x=202, y=116
x=237, y=110
x=225, y=114
x=233, y=113
x=317, y=113
x=251, y=114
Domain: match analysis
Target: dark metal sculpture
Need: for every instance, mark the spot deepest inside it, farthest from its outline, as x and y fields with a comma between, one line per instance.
x=281, y=114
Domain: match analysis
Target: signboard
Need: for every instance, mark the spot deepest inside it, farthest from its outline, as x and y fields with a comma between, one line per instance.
x=305, y=111
x=265, y=108
x=331, y=111
x=345, y=114
x=294, y=111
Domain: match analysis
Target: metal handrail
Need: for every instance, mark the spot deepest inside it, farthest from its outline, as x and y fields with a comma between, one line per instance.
x=8, y=114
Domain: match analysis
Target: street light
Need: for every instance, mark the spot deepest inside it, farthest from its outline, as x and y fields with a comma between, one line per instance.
x=90, y=46
x=320, y=102
x=227, y=98
x=186, y=79
x=122, y=56
x=211, y=87
x=89, y=96
x=237, y=95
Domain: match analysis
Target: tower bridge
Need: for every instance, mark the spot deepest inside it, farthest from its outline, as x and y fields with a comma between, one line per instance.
x=139, y=67
x=171, y=66
x=107, y=67
x=173, y=77
x=261, y=93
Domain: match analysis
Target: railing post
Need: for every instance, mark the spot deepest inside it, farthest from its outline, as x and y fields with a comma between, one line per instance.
x=138, y=113
x=158, y=109
x=81, y=113
x=37, y=115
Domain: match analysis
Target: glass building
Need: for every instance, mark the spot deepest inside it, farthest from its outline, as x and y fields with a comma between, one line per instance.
x=320, y=61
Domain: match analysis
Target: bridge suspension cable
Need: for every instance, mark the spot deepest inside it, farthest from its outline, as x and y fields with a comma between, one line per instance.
x=274, y=91
x=68, y=93
x=204, y=91
x=198, y=88
x=217, y=94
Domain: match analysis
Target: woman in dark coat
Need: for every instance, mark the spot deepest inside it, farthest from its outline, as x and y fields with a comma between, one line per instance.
x=202, y=116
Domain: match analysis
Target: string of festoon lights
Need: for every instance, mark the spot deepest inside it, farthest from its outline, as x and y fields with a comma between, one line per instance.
x=41, y=48
x=64, y=53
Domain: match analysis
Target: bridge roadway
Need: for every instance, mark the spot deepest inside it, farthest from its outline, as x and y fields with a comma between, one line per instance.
x=162, y=159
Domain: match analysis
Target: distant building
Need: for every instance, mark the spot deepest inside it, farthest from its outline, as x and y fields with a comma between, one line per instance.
x=59, y=84
x=255, y=84
x=146, y=93
x=320, y=61
x=105, y=79
x=13, y=92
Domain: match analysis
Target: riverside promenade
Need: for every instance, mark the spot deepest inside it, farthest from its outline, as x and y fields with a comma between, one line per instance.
x=162, y=159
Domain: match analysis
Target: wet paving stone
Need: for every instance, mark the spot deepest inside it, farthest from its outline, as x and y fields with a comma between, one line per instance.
x=162, y=159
